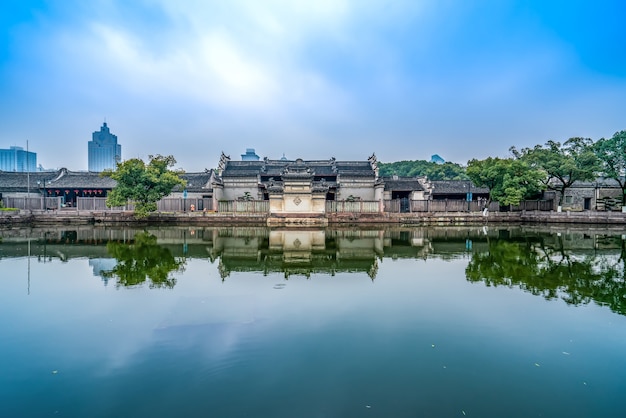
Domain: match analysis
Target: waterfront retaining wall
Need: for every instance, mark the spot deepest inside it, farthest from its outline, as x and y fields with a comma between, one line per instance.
x=38, y=218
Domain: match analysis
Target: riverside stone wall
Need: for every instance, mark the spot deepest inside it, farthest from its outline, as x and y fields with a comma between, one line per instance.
x=200, y=218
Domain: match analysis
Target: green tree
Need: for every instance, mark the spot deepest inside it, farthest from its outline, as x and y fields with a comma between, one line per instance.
x=509, y=180
x=143, y=184
x=418, y=168
x=403, y=168
x=143, y=259
x=612, y=155
x=562, y=165
x=446, y=171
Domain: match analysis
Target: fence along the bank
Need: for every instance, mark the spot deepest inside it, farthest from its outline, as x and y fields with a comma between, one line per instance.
x=168, y=204
x=406, y=206
x=243, y=206
x=262, y=206
x=33, y=203
x=359, y=206
x=542, y=205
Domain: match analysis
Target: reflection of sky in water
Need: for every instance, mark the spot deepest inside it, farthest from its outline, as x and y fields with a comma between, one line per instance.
x=101, y=265
x=418, y=340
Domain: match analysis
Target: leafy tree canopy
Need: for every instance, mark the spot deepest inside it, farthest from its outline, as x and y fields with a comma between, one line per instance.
x=141, y=260
x=415, y=168
x=143, y=184
x=509, y=180
x=562, y=164
x=612, y=155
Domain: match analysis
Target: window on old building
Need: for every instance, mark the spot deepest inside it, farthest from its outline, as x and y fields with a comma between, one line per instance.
x=568, y=199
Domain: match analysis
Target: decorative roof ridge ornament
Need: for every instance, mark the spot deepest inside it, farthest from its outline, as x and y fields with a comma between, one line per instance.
x=62, y=173
x=298, y=169
x=224, y=159
x=320, y=186
x=333, y=164
x=374, y=163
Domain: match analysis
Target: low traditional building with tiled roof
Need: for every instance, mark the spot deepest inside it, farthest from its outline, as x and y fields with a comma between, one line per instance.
x=63, y=184
x=198, y=190
x=298, y=186
x=73, y=184
x=600, y=194
x=404, y=190
x=457, y=190
x=14, y=184
x=198, y=184
x=413, y=188
x=69, y=185
x=285, y=187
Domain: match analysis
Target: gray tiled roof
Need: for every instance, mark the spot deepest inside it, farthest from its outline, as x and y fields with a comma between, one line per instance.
x=65, y=179
x=61, y=179
x=242, y=168
x=81, y=180
x=599, y=182
x=319, y=167
x=402, y=184
x=455, y=187
x=362, y=168
x=18, y=182
x=197, y=182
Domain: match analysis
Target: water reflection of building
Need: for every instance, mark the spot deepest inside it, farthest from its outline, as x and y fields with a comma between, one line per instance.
x=299, y=252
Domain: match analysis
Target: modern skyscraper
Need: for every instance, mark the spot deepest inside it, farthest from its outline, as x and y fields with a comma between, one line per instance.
x=16, y=159
x=104, y=151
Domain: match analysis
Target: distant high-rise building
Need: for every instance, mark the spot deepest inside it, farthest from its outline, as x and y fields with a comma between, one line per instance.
x=104, y=151
x=250, y=155
x=16, y=159
x=437, y=159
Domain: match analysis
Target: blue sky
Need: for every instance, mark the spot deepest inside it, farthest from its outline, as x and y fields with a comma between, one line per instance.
x=310, y=79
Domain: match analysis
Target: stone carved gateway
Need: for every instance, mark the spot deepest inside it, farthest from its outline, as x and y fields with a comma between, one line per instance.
x=297, y=195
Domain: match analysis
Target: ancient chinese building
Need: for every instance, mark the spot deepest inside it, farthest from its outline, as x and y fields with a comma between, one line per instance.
x=298, y=186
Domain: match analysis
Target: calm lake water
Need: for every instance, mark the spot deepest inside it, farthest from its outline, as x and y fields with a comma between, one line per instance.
x=253, y=322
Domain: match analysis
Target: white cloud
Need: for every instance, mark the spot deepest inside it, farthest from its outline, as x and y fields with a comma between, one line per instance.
x=250, y=63
x=303, y=77
x=237, y=76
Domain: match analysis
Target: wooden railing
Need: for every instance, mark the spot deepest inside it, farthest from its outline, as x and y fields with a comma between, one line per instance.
x=410, y=206
x=33, y=203
x=167, y=204
x=359, y=206
x=262, y=206
x=92, y=203
x=541, y=205
x=243, y=206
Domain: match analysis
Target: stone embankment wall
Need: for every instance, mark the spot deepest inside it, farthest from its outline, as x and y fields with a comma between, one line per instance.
x=472, y=218
x=43, y=218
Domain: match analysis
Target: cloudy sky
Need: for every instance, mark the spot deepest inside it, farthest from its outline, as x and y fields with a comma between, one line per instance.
x=311, y=79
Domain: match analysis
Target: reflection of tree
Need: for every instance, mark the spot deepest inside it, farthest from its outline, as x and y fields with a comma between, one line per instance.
x=143, y=259
x=552, y=271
